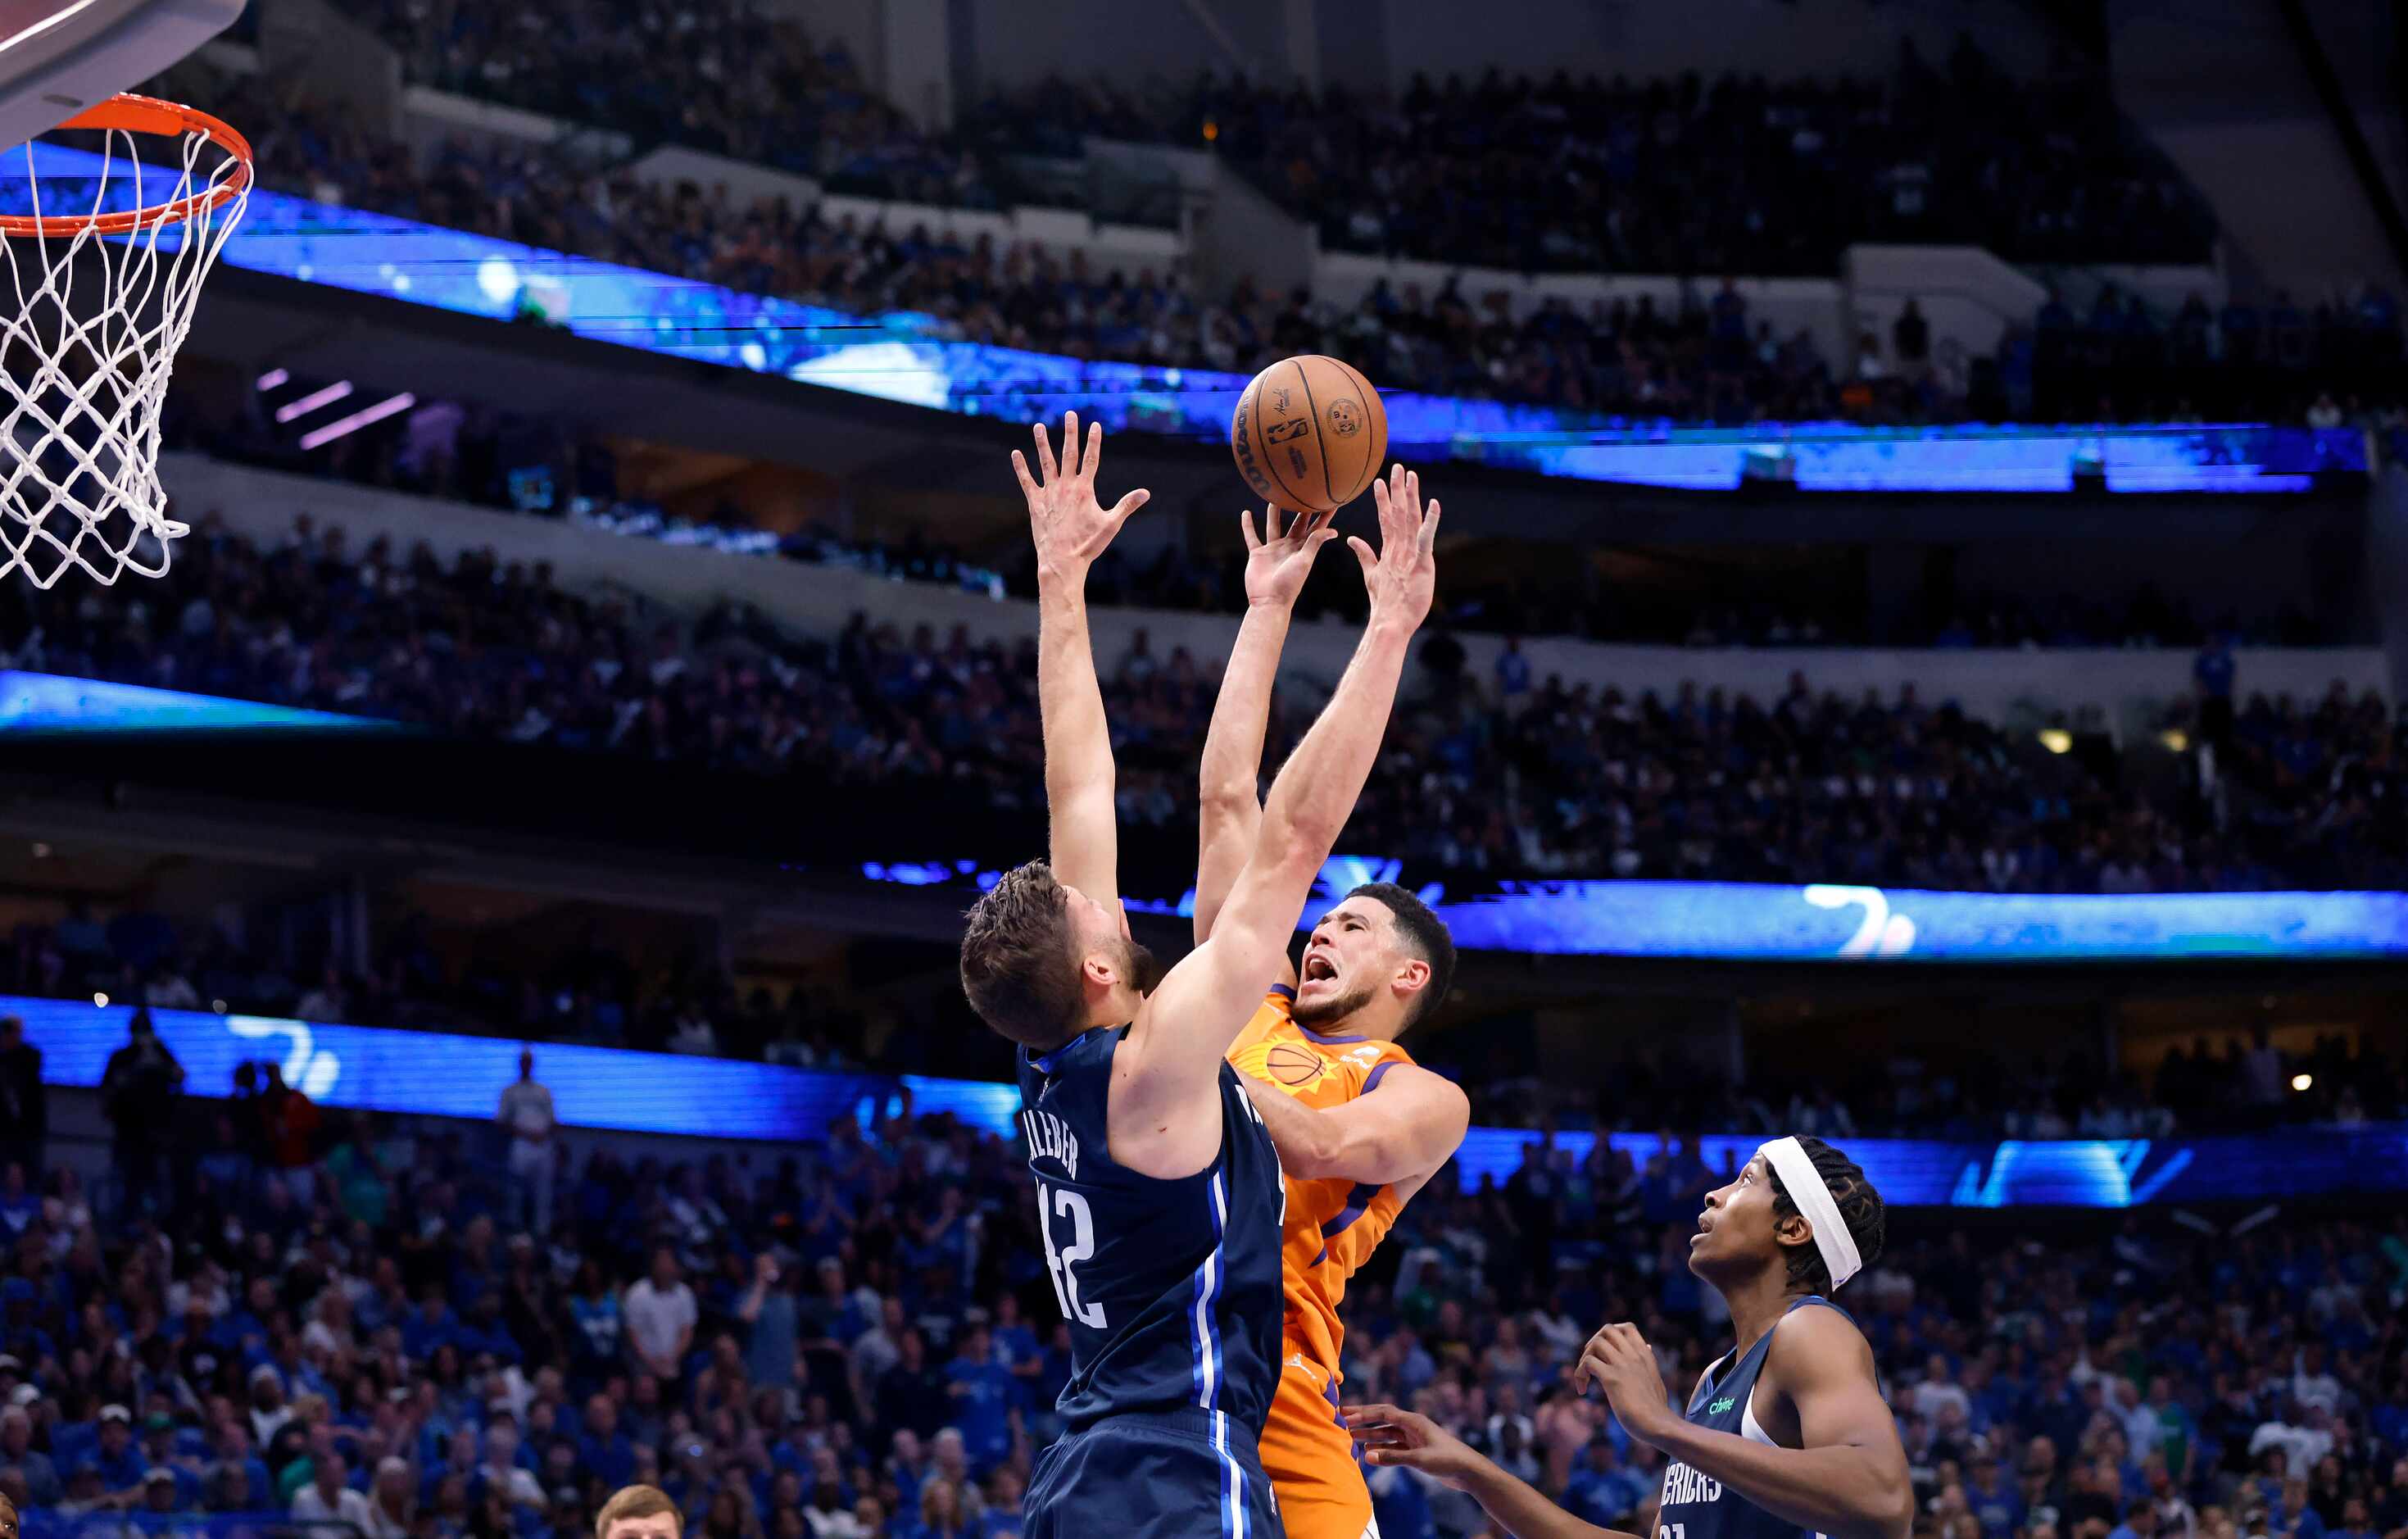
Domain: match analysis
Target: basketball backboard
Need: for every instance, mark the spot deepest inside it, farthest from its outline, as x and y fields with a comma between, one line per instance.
x=57, y=57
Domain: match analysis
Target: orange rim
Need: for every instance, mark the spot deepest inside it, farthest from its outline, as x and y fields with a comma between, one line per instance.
x=133, y=114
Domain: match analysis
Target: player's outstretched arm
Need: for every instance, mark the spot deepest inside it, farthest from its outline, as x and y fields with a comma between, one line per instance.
x=1070, y=530
x=1174, y=1054
x=1392, y=1435
x=1230, y=809
x=1402, y=1130
x=1850, y=1479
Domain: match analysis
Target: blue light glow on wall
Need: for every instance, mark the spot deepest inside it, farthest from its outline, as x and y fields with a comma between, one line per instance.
x=440, y=1075
x=1732, y=921
x=900, y=357
x=49, y=702
x=2075, y=1173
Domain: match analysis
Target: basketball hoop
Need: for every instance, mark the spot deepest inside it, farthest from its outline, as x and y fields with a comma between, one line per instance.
x=83, y=377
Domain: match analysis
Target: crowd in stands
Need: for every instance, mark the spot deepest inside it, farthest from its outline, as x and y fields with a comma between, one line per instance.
x=1511, y=775
x=732, y=79
x=2245, y=1084
x=370, y=1319
x=1702, y=359
x=1733, y=173
x=1664, y=175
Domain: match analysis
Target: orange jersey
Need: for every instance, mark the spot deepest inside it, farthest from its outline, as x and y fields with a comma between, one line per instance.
x=1332, y=1228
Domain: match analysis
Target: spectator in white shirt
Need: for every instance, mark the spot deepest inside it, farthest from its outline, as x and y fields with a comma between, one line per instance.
x=2303, y=1440
x=393, y=1508
x=1940, y=1387
x=268, y=1412
x=501, y=1469
x=660, y=1314
x=527, y=1117
x=2142, y=1433
x=327, y=1499
x=2311, y=1385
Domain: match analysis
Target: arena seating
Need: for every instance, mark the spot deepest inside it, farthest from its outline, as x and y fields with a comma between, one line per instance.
x=322, y=1303
x=1803, y=787
x=1704, y=361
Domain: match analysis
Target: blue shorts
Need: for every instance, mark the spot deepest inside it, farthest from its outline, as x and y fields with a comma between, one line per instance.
x=1178, y=1475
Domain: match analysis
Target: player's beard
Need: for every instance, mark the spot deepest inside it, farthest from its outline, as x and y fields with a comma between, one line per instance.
x=1139, y=966
x=1329, y=1011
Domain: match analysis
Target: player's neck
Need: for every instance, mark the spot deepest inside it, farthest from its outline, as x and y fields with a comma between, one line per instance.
x=1757, y=1300
x=1374, y=1021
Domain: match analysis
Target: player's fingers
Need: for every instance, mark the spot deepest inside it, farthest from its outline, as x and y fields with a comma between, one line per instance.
x=1095, y=450
x=1380, y=500
x=1020, y=469
x=1045, y=455
x=1363, y=553
x=1129, y=505
x=1399, y=516
x=1369, y=1414
x=1070, y=444
x=1246, y=526
x=1429, y=531
x=1412, y=491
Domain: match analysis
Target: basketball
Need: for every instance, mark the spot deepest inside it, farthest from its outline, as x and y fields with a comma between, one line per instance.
x=1309, y=434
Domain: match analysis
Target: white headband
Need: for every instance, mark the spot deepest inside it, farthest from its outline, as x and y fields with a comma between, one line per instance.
x=1813, y=1198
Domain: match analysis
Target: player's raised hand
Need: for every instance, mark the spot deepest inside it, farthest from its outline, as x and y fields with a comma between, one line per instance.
x=1618, y=1360
x=1390, y=1434
x=1402, y=575
x=1278, y=560
x=1069, y=527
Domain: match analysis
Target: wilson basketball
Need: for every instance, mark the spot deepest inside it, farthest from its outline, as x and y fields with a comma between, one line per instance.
x=1309, y=434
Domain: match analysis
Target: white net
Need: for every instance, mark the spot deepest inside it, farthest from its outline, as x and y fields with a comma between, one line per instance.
x=86, y=350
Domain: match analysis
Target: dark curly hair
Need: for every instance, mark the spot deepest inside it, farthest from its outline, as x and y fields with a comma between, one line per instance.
x=1860, y=1209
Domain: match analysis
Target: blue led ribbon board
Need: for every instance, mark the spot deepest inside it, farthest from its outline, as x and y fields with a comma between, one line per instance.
x=1732, y=921
x=49, y=702
x=442, y=1075
x=903, y=356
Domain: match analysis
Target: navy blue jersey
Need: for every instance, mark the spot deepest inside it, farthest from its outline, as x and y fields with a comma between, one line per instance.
x=1695, y=1505
x=1171, y=1288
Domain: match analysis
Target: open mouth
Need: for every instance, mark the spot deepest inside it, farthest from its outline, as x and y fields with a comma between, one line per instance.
x=1319, y=969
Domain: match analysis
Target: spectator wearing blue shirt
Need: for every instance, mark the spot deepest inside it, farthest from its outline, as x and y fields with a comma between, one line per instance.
x=2357, y=1521
x=1399, y=1504
x=235, y=1462
x=1001, y=1519
x=1603, y=1489
x=1993, y=1499
x=2297, y=1519
x=772, y=1322
x=16, y=1449
x=432, y=1325
x=120, y=1463
x=606, y=1452
x=20, y=1204
x=979, y=1391
x=1513, y=675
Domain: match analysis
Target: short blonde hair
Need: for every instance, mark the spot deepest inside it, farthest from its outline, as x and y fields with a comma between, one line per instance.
x=637, y=1501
